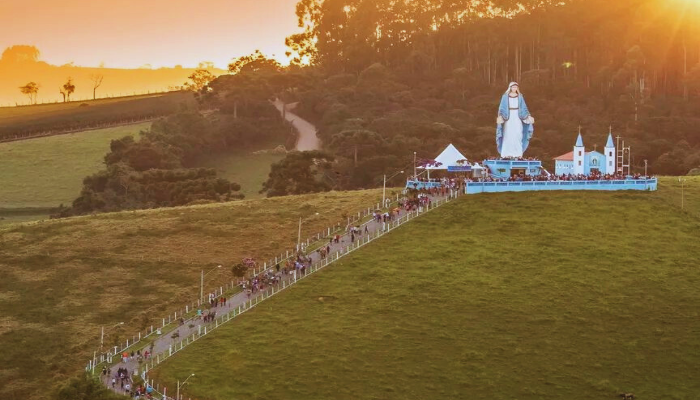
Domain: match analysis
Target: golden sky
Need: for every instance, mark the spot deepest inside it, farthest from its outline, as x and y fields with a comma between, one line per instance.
x=131, y=33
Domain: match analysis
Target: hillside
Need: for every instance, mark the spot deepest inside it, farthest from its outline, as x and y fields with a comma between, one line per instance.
x=27, y=121
x=61, y=280
x=43, y=173
x=579, y=297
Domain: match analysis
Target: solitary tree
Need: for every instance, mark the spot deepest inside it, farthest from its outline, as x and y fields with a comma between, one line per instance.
x=96, y=83
x=67, y=89
x=31, y=89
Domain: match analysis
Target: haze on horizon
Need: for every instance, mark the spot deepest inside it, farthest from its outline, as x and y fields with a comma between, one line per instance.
x=162, y=33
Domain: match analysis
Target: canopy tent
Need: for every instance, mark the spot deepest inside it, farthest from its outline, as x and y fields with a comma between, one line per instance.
x=448, y=158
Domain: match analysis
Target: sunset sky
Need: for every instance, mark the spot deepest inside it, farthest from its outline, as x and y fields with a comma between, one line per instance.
x=131, y=33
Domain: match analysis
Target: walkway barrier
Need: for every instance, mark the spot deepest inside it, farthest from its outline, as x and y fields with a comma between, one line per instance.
x=168, y=324
x=161, y=357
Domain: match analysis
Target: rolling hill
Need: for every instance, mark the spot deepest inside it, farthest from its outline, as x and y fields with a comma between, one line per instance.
x=62, y=280
x=528, y=296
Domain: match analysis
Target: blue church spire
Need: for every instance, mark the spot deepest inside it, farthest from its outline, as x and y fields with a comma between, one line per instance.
x=610, y=139
x=579, y=140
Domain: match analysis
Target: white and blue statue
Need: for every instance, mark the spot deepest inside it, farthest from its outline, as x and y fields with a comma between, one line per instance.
x=515, y=125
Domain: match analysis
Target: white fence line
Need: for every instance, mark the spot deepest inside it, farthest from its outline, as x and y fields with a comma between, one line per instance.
x=190, y=308
x=159, y=358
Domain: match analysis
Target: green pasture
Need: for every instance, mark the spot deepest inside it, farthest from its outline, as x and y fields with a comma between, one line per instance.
x=46, y=172
x=548, y=295
x=245, y=168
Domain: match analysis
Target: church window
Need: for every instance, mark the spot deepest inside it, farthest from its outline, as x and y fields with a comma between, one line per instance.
x=610, y=163
x=610, y=153
x=579, y=154
x=594, y=162
x=579, y=163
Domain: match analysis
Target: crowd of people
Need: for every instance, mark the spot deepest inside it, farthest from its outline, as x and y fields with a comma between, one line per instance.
x=543, y=177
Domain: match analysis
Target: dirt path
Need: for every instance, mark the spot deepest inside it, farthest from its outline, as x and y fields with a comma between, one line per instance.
x=307, y=132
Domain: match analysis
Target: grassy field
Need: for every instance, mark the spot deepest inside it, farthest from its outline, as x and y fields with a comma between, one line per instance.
x=247, y=169
x=549, y=295
x=45, y=172
x=40, y=110
x=24, y=121
x=61, y=280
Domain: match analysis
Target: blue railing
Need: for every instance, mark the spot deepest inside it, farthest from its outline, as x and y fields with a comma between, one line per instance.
x=626, y=184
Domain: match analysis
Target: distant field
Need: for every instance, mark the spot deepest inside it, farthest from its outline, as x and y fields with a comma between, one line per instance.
x=47, y=172
x=247, y=169
x=28, y=120
x=61, y=280
x=40, y=110
x=565, y=295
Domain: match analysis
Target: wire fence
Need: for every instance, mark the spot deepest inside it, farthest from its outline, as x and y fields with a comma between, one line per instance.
x=87, y=98
x=203, y=330
x=89, y=127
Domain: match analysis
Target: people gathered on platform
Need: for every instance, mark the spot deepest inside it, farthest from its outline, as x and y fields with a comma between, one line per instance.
x=564, y=177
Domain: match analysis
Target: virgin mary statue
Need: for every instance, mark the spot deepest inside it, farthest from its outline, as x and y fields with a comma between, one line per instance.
x=515, y=125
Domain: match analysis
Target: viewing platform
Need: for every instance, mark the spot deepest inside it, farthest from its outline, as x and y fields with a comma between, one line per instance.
x=525, y=186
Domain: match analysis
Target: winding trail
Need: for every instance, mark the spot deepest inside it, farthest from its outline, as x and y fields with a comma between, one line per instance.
x=307, y=131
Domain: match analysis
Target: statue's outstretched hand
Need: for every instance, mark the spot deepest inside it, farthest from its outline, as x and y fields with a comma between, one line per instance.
x=530, y=120
x=500, y=120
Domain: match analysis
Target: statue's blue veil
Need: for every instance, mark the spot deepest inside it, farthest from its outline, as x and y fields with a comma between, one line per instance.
x=523, y=113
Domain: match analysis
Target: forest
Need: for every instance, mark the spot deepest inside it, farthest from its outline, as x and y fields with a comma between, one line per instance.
x=382, y=79
x=393, y=77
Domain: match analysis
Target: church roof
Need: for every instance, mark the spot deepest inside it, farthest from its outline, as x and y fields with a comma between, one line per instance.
x=579, y=141
x=610, y=141
x=570, y=156
x=565, y=157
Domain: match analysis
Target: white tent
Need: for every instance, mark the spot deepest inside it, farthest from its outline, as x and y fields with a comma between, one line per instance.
x=448, y=158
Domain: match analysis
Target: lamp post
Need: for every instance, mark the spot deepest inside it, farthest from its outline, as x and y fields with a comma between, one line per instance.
x=299, y=235
x=384, y=188
x=646, y=163
x=102, y=337
x=201, y=282
x=179, y=385
x=415, y=174
x=102, y=341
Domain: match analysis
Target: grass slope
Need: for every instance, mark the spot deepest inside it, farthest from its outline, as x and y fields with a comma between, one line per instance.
x=25, y=121
x=247, y=169
x=61, y=280
x=46, y=172
x=546, y=295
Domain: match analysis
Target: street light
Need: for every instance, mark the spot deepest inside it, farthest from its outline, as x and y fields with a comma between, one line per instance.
x=179, y=385
x=102, y=341
x=646, y=163
x=201, y=283
x=102, y=338
x=299, y=235
x=682, y=181
x=384, y=189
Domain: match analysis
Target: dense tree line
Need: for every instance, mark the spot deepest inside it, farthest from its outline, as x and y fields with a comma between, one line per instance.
x=392, y=77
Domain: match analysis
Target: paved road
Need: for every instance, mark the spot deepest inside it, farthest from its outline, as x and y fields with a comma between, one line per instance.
x=162, y=343
x=307, y=132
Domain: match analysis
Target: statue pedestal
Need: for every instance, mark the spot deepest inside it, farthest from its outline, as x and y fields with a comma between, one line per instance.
x=507, y=168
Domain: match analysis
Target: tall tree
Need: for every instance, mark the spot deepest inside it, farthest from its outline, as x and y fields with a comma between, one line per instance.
x=200, y=78
x=31, y=90
x=96, y=80
x=67, y=89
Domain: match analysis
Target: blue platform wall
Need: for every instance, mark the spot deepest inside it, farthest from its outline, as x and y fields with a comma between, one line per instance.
x=498, y=187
